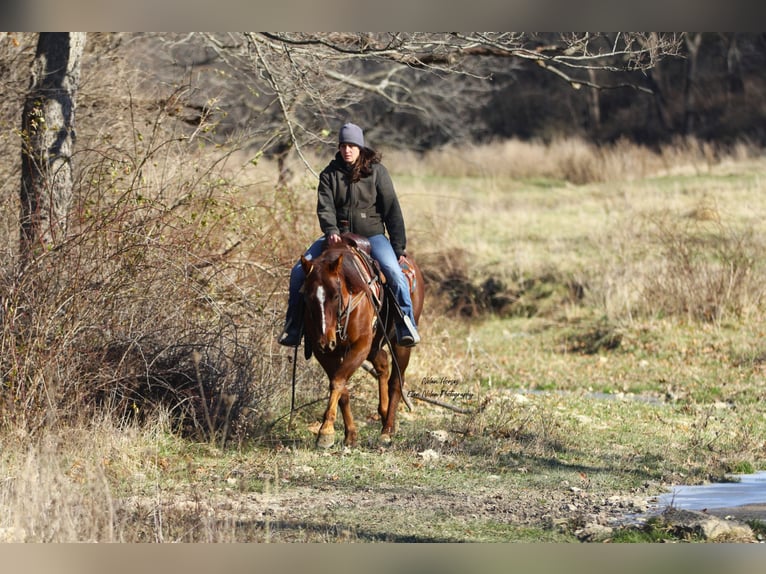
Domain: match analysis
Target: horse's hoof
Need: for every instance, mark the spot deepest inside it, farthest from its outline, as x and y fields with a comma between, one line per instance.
x=325, y=440
x=350, y=441
x=385, y=439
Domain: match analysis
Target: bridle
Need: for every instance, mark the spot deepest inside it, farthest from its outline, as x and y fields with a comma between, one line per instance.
x=345, y=308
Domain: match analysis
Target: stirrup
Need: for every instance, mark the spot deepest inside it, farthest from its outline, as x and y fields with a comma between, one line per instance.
x=406, y=333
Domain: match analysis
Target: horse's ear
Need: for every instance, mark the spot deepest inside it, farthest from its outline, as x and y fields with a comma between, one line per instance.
x=337, y=264
x=308, y=267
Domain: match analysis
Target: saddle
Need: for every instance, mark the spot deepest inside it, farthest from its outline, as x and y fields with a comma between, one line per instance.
x=362, y=245
x=363, y=249
x=358, y=241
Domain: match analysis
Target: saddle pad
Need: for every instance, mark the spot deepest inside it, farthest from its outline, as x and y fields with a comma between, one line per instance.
x=409, y=273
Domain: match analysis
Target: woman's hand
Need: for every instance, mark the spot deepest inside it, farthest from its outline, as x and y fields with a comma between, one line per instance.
x=333, y=239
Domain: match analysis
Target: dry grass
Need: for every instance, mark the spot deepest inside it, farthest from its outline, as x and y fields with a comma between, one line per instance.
x=661, y=239
x=167, y=291
x=570, y=160
x=551, y=267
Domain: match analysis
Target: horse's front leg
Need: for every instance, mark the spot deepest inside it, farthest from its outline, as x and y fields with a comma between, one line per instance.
x=339, y=395
x=338, y=389
x=348, y=421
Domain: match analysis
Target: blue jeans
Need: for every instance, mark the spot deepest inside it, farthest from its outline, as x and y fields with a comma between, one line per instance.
x=297, y=275
x=382, y=252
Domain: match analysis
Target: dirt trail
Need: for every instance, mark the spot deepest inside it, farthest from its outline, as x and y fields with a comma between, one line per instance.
x=392, y=513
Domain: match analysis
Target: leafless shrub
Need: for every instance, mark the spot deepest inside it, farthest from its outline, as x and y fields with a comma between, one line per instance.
x=152, y=302
x=708, y=271
x=701, y=269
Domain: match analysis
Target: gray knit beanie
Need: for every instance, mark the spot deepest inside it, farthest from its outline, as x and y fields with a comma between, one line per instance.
x=351, y=134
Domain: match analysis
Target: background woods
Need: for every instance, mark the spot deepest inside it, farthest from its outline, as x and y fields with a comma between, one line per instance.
x=409, y=89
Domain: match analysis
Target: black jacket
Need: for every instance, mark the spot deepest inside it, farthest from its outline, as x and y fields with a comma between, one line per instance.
x=369, y=206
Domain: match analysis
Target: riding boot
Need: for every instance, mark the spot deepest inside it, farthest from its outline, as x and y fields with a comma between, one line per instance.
x=293, y=330
x=406, y=332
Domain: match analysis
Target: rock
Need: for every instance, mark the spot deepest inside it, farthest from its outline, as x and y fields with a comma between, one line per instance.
x=639, y=504
x=303, y=470
x=520, y=399
x=594, y=532
x=429, y=454
x=706, y=526
x=440, y=435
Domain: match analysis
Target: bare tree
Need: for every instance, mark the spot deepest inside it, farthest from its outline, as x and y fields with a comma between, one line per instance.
x=691, y=111
x=300, y=85
x=48, y=137
x=735, y=82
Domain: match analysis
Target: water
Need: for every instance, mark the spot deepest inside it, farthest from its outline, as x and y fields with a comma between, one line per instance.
x=751, y=489
x=600, y=395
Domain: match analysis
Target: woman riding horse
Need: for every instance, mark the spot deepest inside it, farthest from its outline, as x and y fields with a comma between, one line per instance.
x=347, y=322
x=356, y=195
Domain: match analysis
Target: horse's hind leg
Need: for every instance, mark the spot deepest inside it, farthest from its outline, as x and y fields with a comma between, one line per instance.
x=395, y=384
x=388, y=400
x=383, y=371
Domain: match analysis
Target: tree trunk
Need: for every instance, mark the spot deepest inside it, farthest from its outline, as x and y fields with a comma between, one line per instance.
x=48, y=137
x=657, y=84
x=594, y=102
x=734, y=76
x=691, y=106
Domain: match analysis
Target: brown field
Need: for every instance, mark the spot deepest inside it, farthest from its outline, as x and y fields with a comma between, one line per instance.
x=597, y=310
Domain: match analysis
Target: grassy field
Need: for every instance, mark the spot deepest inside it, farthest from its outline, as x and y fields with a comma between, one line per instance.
x=598, y=313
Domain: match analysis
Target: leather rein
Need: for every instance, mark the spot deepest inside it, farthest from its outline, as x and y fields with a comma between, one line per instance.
x=345, y=310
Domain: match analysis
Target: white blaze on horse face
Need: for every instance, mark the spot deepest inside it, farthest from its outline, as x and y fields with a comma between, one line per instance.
x=321, y=299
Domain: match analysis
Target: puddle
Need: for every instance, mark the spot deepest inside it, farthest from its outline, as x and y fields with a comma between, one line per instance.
x=600, y=396
x=626, y=397
x=751, y=489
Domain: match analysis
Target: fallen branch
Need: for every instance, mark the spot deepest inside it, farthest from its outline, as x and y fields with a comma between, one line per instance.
x=460, y=410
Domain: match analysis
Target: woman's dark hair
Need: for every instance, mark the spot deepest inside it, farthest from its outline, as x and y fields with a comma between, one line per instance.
x=363, y=165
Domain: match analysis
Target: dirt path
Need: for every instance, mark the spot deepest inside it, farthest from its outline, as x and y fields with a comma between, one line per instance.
x=390, y=513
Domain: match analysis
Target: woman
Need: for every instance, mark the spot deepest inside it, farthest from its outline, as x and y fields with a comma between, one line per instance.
x=356, y=194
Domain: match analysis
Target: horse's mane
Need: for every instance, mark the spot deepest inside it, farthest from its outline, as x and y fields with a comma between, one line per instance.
x=350, y=269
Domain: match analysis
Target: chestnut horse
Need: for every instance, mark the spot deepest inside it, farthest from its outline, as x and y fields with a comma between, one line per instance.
x=342, y=322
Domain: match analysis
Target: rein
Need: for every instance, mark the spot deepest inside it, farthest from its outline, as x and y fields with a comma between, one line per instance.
x=344, y=313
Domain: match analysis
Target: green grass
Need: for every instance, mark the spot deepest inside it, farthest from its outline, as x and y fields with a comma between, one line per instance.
x=759, y=528
x=591, y=379
x=653, y=531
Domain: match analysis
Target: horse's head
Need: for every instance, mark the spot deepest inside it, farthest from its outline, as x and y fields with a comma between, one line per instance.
x=324, y=291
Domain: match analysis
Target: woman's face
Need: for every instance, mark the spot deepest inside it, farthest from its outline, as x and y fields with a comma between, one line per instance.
x=349, y=152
